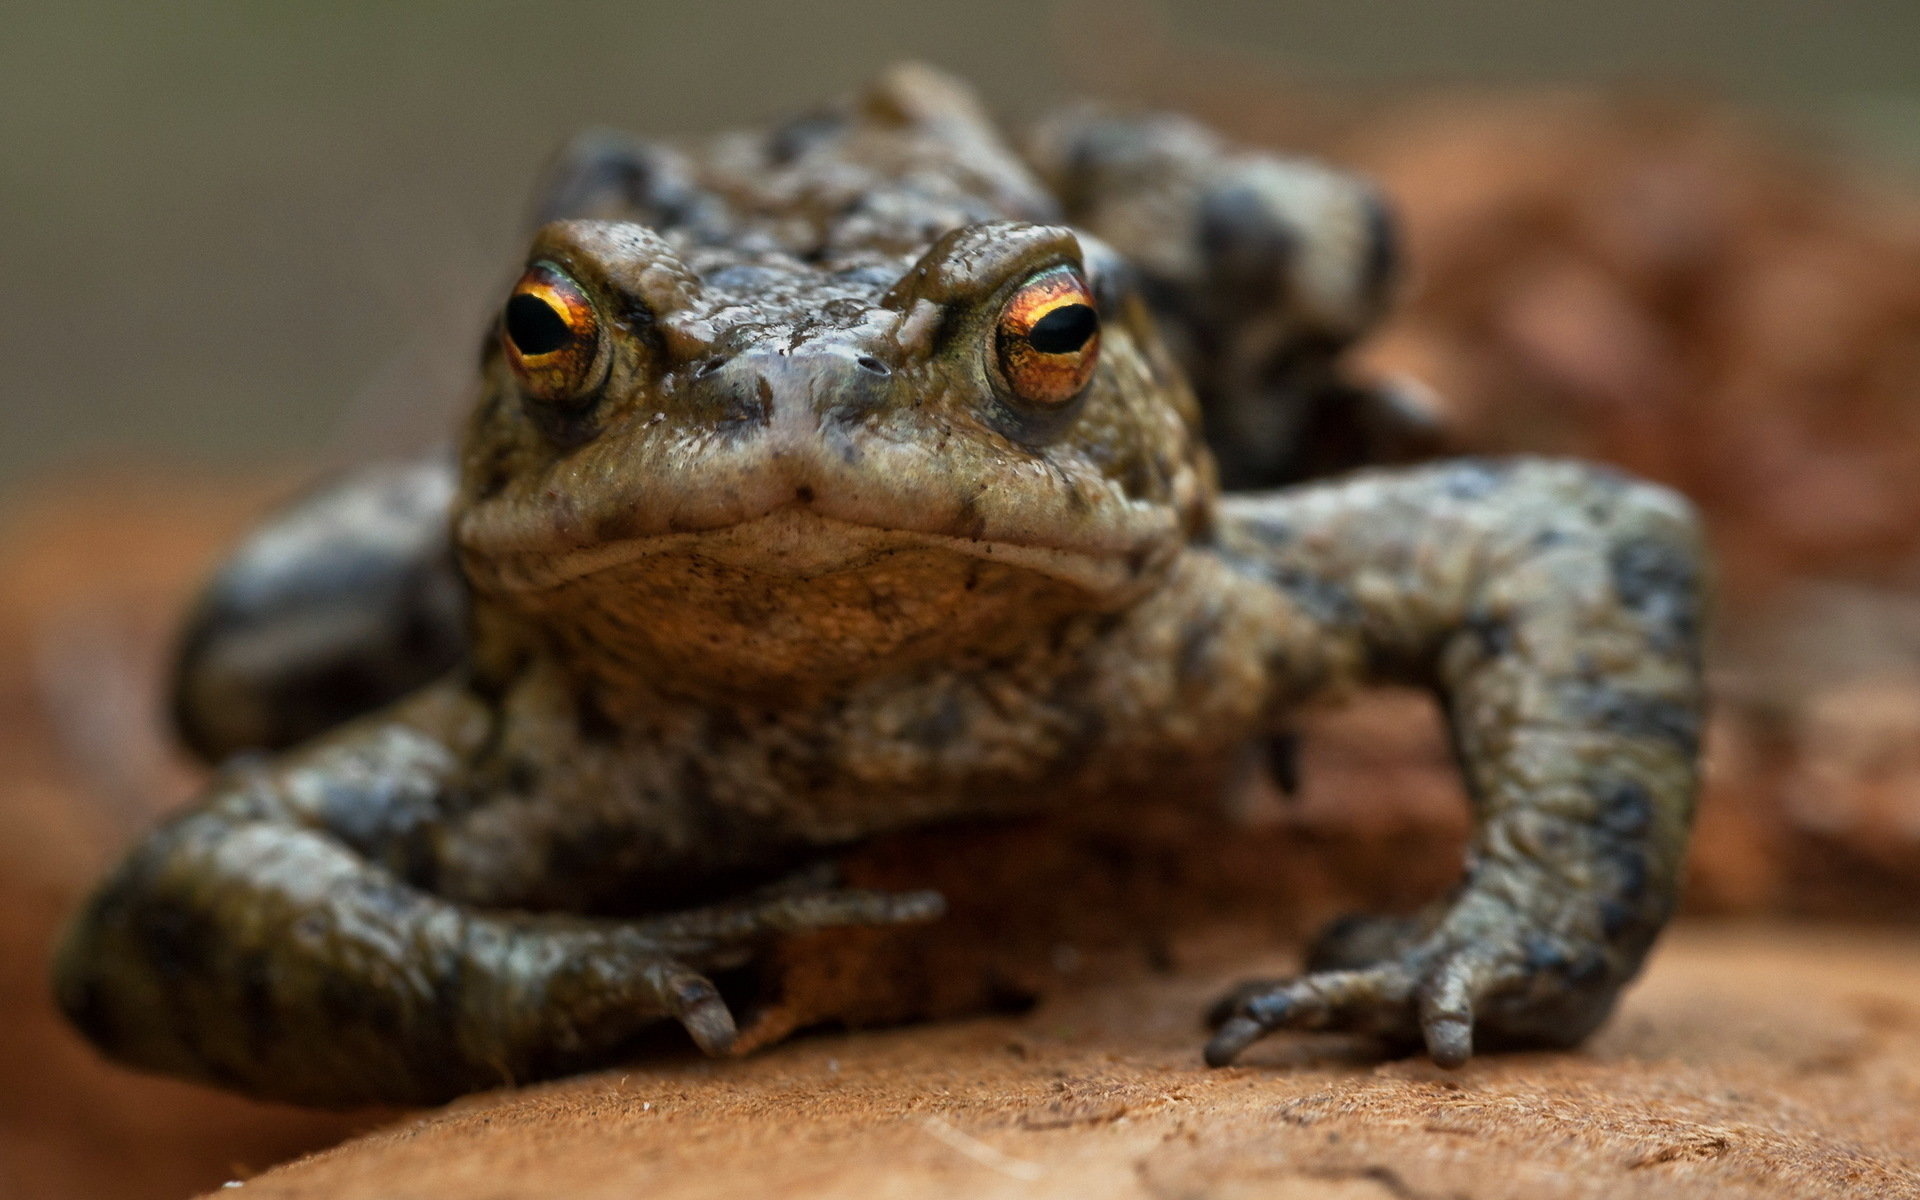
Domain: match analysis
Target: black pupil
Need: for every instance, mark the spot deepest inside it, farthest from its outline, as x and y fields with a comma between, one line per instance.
x=1063, y=330
x=535, y=326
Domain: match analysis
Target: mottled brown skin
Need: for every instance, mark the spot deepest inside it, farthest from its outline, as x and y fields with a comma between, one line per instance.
x=801, y=567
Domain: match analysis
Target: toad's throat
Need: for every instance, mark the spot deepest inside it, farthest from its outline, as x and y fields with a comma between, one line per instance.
x=797, y=542
x=792, y=605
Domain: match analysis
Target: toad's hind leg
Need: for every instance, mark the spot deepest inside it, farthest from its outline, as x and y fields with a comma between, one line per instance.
x=344, y=601
x=280, y=938
x=1262, y=270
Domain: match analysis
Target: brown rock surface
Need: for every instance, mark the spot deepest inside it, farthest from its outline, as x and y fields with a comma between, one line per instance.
x=1751, y=1062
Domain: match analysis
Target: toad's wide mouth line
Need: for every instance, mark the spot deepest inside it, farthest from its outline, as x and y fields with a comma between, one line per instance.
x=799, y=542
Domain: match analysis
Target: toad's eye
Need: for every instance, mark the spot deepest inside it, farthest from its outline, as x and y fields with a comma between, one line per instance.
x=552, y=336
x=1049, y=338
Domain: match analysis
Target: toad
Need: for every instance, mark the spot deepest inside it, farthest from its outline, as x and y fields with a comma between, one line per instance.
x=861, y=475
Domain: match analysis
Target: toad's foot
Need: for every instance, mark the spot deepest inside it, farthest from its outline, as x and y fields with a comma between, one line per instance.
x=1507, y=982
x=671, y=955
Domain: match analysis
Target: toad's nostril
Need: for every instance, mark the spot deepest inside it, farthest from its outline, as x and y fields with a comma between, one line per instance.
x=872, y=365
x=709, y=367
x=803, y=494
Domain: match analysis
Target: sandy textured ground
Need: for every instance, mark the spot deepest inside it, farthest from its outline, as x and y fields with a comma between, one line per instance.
x=1751, y=1062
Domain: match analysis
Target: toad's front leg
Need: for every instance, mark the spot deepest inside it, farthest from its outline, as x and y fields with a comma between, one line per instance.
x=271, y=939
x=1556, y=609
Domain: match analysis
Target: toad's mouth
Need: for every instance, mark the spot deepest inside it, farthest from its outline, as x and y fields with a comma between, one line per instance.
x=803, y=498
x=798, y=542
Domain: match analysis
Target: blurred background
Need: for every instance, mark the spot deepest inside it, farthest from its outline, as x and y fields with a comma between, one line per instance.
x=247, y=242
x=238, y=229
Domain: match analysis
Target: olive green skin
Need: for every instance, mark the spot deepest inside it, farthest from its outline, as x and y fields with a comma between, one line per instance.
x=802, y=567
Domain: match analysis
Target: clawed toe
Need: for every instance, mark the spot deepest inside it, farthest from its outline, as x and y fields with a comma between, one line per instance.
x=691, y=999
x=739, y=924
x=1233, y=1035
x=807, y=912
x=1230, y=1005
x=1373, y=1001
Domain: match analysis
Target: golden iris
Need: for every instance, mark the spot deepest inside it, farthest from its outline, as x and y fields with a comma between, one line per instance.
x=1048, y=339
x=551, y=333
